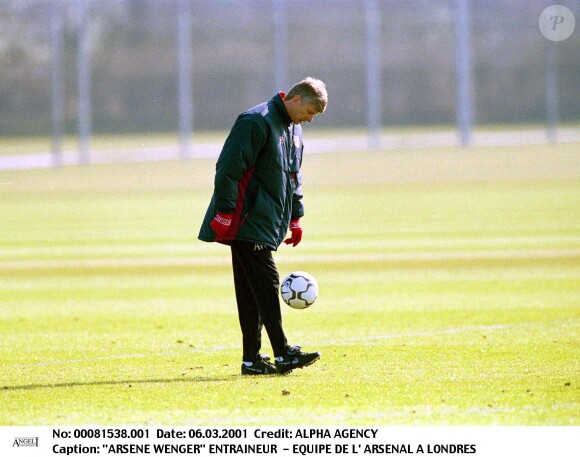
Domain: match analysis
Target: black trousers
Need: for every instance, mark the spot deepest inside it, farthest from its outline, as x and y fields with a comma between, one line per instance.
x=256, y=281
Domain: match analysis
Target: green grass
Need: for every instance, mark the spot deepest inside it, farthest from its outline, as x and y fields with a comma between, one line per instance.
x=13, y=146
x=449, y=291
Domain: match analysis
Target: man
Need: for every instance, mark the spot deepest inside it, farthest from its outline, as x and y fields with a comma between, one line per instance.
x=257, y=198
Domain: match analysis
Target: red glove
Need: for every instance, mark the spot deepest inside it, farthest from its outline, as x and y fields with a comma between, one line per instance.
x=221, y=223
x=296, y=233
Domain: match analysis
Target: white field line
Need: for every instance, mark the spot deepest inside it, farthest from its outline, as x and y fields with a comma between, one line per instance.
x=432, y=243
x=335, y=144
x=303, y=258
x=362, y=340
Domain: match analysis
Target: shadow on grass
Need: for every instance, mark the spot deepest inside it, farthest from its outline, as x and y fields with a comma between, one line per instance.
x=128, y=383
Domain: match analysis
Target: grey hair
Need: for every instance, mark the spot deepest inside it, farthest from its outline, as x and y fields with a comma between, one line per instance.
x=310, y=90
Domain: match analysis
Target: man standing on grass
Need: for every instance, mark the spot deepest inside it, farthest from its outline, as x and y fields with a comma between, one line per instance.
x=257, y=198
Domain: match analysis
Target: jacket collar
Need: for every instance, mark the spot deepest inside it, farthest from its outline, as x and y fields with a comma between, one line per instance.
x=279, y=104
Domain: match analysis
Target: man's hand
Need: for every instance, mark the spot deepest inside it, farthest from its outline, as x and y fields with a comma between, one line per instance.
x=296, y=230
x=221, y=223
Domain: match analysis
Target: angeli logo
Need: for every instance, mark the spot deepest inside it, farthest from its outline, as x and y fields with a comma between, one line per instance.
x=25, y=442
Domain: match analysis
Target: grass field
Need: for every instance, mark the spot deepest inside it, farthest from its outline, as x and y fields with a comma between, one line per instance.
x=449, y=294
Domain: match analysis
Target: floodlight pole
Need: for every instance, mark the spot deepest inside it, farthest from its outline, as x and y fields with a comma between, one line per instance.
x=185, y=71
x=84, y=83
x=280, y=45
x=57, y=93
x=552, y=98
x=463, y=70
x=373, y=26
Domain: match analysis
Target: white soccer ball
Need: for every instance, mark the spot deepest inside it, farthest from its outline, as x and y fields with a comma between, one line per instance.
x=299, y=290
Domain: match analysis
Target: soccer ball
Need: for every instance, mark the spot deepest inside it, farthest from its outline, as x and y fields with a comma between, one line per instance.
x=299, y=290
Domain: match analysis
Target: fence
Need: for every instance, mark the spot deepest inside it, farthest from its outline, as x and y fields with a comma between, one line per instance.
x=118, y=66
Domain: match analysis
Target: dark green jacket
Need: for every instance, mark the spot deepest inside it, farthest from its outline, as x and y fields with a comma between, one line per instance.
x=258, y=177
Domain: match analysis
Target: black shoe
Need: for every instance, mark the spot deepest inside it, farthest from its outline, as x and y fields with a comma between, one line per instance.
x=261, y=366
x=294, y=358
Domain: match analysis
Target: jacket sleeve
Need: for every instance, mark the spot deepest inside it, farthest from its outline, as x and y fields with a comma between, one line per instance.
x=244, y=143
x=297, y=204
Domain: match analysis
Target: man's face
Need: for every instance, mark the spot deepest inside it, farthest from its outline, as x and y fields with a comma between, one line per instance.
x=300, y=112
